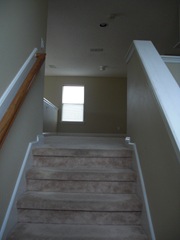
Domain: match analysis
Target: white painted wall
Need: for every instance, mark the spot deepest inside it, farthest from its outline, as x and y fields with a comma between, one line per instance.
x=22, y=25
x=158, y=157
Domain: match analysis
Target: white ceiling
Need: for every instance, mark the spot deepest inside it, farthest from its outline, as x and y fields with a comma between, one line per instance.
x=74, y=34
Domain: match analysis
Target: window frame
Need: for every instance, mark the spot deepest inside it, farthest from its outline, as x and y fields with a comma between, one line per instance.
x=83, y=104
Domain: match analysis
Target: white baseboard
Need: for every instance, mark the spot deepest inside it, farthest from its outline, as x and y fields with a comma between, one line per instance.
x=10, y=218
x=143, y=194
x=46, y=134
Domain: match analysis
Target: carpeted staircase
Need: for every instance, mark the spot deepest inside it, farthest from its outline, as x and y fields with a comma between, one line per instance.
x=79, y=194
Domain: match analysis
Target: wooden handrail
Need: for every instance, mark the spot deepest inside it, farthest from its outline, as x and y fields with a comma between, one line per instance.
x=16, y=103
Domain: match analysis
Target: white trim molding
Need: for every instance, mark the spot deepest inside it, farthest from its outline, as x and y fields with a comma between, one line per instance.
x=50, y=103
x=14, y=86
x=19, y=188
x=142, y=186
x=171, y=59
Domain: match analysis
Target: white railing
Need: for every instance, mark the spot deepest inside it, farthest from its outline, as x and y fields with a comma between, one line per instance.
x=16, y=93
x=164, y=87
x=173, y=63
x=50, y=118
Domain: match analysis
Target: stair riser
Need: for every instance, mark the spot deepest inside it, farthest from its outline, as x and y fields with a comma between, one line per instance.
x=80, y=186
x=81, y=206
x=77, y=232
x=83, y=175
x=81, y=152
x=73, y=217
x=72, y=162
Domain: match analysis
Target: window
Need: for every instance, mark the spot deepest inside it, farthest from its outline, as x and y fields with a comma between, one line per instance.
x=73, y=104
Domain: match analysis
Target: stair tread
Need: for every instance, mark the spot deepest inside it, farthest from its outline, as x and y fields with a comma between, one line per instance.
x=82, y=162
x=53, y=150
x=78, y=217
x=81, y=174
x=80, y=201
x=30, y=231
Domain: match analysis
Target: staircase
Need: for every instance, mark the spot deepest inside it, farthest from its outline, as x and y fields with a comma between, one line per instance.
x=79, y=194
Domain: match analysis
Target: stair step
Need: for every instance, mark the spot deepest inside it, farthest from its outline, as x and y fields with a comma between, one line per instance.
x=54, y=151
x=85, y=174
x=30, y=231
x=83, y=162
x=81, y=180
x=80, y=186
x=79, y=201
x=78, y=217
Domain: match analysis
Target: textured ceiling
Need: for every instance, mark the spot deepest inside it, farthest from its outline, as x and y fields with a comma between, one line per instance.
x=78, y=46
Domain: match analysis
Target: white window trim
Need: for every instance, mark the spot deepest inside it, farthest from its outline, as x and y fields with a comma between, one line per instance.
x=82, y=104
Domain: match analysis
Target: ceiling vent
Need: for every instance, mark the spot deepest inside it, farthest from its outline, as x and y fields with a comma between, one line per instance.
x=96, y=50
x=102, y=68
x=52, y=66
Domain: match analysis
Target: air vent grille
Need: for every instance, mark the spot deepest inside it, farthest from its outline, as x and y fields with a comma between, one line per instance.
x=96, y=50
x=52, y=66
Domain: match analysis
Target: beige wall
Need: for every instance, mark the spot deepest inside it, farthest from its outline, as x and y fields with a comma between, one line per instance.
x=175, y=70
x=50, y=117
x=105, y=103
x=22, y=25
x=160, y=165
